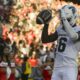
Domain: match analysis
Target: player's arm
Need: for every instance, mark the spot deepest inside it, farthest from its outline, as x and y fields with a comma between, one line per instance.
x=74, y=36
x=44, y=17
x=68, y=28
x=48, y=38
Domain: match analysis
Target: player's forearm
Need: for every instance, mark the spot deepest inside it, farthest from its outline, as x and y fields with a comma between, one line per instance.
x=44, y=36
x=48, y=38
x=73, y=35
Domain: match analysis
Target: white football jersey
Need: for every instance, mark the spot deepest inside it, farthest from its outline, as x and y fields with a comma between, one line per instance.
x=66, y=49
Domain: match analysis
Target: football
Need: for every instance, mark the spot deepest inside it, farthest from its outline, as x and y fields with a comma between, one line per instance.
x=44, y=16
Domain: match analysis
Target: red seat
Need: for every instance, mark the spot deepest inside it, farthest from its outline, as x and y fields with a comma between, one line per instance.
x=12, y=76
x=3, y=75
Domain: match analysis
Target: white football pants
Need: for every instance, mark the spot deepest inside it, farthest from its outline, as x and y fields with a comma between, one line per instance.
x=65, y=73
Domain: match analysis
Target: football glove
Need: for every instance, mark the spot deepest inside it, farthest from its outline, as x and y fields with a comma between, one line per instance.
x=44, y=16
x=63, y=15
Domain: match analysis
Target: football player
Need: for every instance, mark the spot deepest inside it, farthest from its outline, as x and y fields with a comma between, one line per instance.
x=68, y=43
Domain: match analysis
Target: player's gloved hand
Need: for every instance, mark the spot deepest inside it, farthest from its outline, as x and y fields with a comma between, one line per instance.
x=63, y=15
x=44, y=17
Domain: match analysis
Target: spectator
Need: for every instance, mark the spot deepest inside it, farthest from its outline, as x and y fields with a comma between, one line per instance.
x=26, y=69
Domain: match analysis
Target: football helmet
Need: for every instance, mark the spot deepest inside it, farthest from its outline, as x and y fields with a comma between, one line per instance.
x=70, y=13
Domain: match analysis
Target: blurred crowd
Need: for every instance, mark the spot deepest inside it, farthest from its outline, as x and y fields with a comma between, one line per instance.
x=23, y=35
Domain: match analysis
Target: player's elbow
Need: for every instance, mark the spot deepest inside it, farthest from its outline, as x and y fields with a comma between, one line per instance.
x=74, y=37
x=44, y=40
